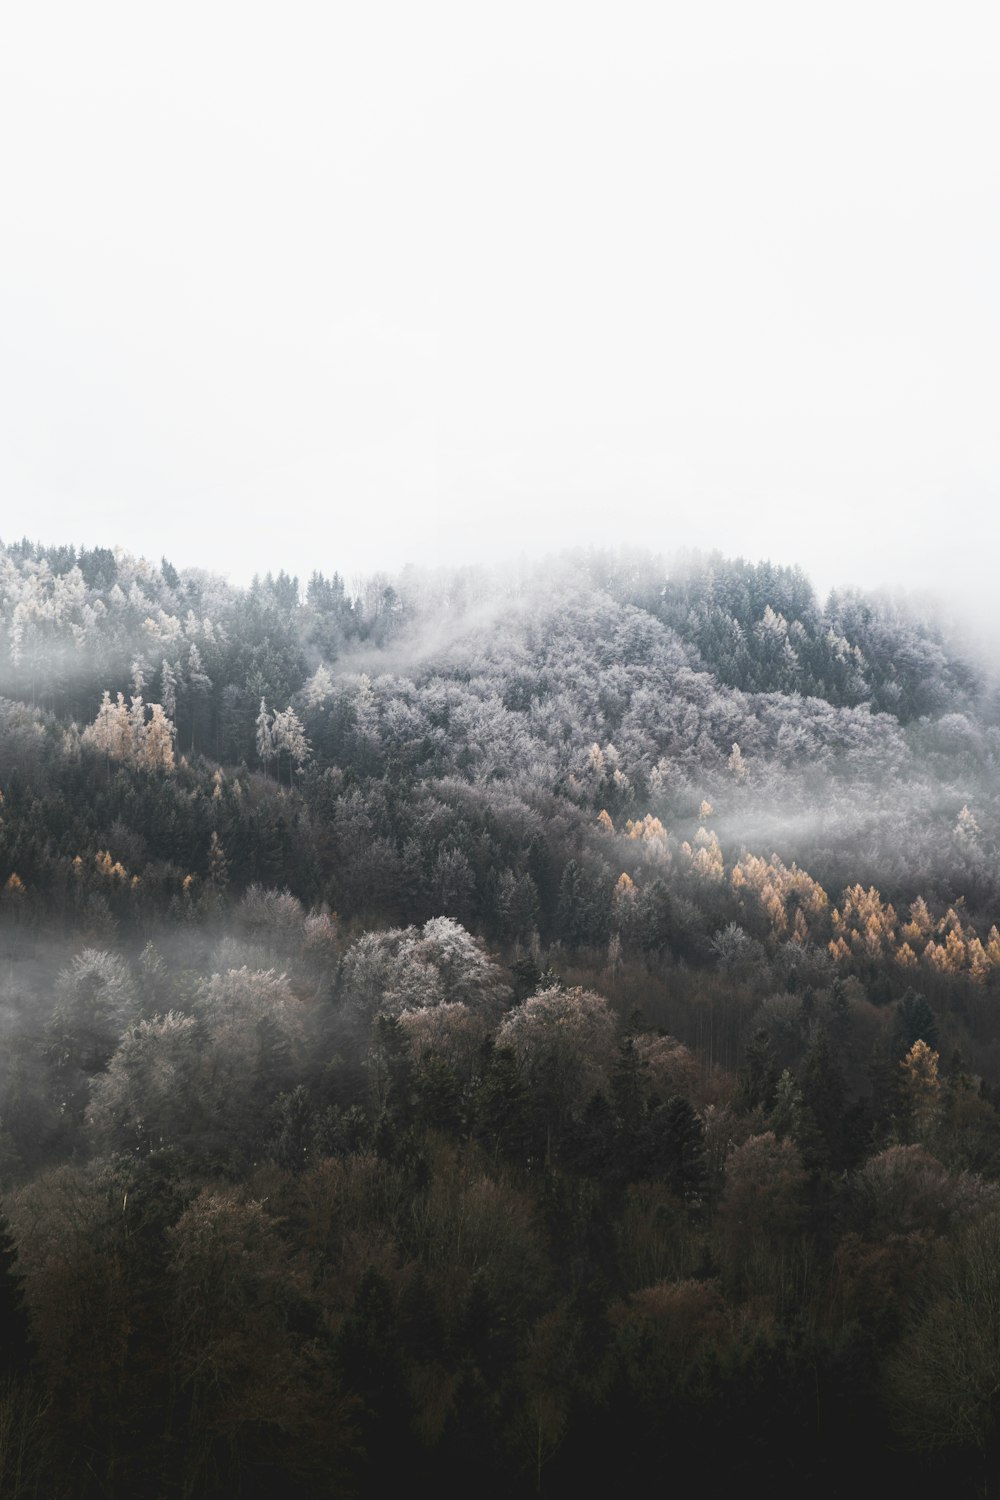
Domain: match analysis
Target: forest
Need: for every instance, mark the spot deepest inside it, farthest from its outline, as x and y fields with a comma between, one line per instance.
x=517, y=1029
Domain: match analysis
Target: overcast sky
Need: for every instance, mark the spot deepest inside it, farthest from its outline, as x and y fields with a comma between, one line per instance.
x=352, y=285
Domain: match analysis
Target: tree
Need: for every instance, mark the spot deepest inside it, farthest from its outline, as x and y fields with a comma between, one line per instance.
x=416, y=968
x=15, y=1335
x=582, y=911
x=915, y=1021
x=920, y=1096
x=504, y=1119
x=452, y=1032
x=96, y=1000
x=199, y=687
x=121, y=733
x=564, y=1042
x=758, y=1078
x=157, y=748
x=218, y=865
x=155, y=1089
x=370, y=1358
x=453, y=882
x=761, y=1210
x=824, y=1094
x=254, y=1028
x=111, y=731
x=319, y=688
x=941, y=1381
x=904, y=1190
x=677, y=1140
x=288, y=737
x=168, y=689
x=265, y=736
x=259, y=1399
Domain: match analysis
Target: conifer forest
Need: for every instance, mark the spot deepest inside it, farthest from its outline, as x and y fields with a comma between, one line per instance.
x=503, y=1032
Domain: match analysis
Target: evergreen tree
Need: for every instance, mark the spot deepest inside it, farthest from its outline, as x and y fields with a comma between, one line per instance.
x=915, y=1022
x=15, y=1337
x=265, y=736
x=824, y=1093
x=758, y=1078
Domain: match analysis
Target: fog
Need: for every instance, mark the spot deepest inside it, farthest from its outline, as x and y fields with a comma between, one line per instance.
x=363, y=289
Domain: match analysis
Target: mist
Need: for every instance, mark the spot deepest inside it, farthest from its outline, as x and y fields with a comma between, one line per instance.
x=458, y=290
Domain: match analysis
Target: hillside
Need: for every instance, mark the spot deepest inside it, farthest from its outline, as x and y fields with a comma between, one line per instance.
x=504, y=1028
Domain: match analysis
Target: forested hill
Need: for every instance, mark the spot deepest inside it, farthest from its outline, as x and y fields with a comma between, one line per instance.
x=513, y=1031
x=76, y=623
x=448, y=740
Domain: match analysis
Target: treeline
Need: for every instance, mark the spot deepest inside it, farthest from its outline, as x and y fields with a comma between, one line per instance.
x=74, y=624
x=760, y=628
x=454, y=741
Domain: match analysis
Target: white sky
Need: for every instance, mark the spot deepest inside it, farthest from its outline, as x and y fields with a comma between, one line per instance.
x=351, y=285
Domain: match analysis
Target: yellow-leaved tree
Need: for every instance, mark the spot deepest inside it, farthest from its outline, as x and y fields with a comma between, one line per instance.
x=920, y=1092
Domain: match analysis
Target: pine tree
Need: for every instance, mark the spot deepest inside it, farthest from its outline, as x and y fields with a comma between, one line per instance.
x=758, y=1078
x=168, y=689
x=319, y=687
x=265, y=736
x=218, y=865
x=137, y=731
x=678, y=1140
x=824, y=1092
x=199, y=686
x=915, y=1021
x=505, y=1120
x=15, y=1337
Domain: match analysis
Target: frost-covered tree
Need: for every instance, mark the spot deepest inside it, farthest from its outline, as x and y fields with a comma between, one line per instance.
x=120, y=732
x=254, y=1026
x=199, y=686
x=155, y=1086
x=265, y=736
x=157, y=752
x=564, y=1043
x=168, y=689
x=319, y=688
x=96, y=999
x=412, y=969
x=137, y=730
x=232, y=1004
x=111, y=731
x=288, y=737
